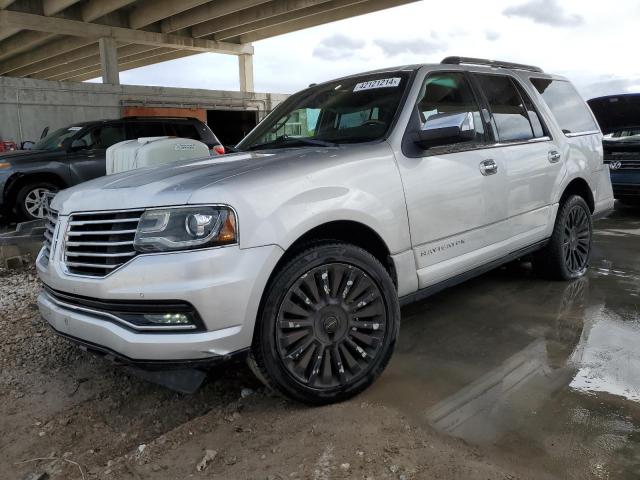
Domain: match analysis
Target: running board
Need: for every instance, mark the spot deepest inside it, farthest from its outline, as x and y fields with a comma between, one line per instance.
x=463, y=277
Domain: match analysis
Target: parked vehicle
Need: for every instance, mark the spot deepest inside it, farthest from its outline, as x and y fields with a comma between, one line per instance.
x=75, y=154
x=351, y=198
x=619, y=119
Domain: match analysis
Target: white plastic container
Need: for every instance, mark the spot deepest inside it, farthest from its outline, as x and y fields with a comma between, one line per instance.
x=152, y=151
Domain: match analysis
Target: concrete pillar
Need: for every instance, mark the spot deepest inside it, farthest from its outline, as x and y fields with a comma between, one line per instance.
x=245, y=62
x=109, y=60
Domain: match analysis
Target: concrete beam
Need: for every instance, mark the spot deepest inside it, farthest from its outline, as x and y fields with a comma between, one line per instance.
x=205, y=12
x=63, y=61
x=290, y=15
x=95, y=71
x=155, y=10
x=175, y=54
x=91, y=10
x=89, y=63
x=264, y=12
x=22, y=42
x=58, y=50
x=321, y=18
x=126, y=35
x=95, y=9
x=245, y=65
x=7, y=32
x=51, y=7
x=109, y=60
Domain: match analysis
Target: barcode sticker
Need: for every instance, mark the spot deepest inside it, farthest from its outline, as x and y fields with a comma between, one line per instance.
x=381, y=83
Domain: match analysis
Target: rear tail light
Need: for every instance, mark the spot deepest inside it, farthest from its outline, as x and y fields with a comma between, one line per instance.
x=219, y=149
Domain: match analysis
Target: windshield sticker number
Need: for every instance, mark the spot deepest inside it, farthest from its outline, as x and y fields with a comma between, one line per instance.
x=382, y=83
x=184, y=146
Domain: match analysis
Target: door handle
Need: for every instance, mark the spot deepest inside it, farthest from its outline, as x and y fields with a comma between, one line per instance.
x=488, y=167
x=554, y=156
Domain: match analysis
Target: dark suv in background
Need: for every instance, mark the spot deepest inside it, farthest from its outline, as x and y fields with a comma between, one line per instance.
x=619, y=119
x=76, y=153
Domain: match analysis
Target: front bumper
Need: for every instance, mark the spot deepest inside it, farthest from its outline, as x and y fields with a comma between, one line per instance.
x=626, y=184
x=224, y=285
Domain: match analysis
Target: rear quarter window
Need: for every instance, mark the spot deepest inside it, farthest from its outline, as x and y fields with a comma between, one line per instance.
x=566, y=105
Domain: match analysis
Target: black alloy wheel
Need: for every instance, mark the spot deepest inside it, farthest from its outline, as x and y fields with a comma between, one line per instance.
x=331, y=326
x=566, y=255
x=576, y=240
x=328, y=324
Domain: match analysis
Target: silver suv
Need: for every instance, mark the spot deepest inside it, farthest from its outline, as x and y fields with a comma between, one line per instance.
x=351, y=198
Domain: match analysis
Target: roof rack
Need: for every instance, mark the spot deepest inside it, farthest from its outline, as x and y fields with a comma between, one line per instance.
x=159, y=117
x=490, y=63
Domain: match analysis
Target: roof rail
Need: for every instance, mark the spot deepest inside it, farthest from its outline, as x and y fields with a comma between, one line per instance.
x=490, y=63
x=158, y=117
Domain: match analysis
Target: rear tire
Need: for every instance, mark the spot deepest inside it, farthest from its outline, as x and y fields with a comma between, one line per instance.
x=30, y=201
x=328, y=325
x=566, y=256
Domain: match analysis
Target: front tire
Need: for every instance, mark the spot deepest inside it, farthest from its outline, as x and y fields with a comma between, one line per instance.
x=328, y=325
x=566, y=256
x=31, y=200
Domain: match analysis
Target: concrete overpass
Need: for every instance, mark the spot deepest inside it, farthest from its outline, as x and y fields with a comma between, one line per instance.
x=76, y=40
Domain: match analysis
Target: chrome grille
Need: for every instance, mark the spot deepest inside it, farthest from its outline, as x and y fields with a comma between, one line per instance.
x=628, y=160
x=49, y=231
x=98, y=243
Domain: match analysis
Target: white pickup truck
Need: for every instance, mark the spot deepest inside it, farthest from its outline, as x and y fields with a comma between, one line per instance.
x=351, y=198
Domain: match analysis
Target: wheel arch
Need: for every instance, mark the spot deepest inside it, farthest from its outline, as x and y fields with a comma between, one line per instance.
x=579, y=186
x=19, y=180
x=347, y=231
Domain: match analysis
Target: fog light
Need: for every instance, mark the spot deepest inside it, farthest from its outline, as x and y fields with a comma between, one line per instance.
x=169, y=318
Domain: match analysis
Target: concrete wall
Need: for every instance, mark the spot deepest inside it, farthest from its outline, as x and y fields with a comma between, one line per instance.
x=28, y=105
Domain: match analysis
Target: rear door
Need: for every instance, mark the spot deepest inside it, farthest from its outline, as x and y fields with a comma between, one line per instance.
x=454, y=192
x=531, y=160
x=88, y=161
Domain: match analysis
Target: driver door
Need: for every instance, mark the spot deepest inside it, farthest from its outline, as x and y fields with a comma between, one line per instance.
x=87, y=159
x=455, y=190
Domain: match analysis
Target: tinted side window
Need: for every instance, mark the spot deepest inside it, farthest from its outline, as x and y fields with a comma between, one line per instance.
x=103, y=137
x=447, y=99
x=509, y=113
x=534, y=117
x=567, y=106
x=151, y=129
x=185, y=130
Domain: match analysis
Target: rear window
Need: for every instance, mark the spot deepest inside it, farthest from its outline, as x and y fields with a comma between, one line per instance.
x=151, y=129
x=185, y=130
x=567, y=106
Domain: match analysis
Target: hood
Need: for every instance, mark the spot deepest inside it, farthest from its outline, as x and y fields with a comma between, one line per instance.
x=616, y=111
x=175, y=183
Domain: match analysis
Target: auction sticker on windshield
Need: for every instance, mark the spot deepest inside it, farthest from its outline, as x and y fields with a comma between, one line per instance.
x=381, y=83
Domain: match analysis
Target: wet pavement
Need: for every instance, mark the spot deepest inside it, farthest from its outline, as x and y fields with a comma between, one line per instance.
x=545, y=370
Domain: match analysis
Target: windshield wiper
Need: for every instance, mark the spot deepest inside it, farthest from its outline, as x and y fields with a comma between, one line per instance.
x=286, y=141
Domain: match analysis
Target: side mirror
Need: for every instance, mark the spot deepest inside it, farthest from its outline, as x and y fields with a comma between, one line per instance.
x=445, y=129
x=45, y=132
x=78, y=144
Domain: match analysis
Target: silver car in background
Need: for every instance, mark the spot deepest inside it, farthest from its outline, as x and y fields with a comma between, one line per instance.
x=351, y=198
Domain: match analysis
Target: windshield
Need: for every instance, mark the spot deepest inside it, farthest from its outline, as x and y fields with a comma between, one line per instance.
x=54, y=140
x=353, y=110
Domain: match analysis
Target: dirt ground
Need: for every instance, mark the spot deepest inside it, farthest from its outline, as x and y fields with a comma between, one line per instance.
x=65, y=414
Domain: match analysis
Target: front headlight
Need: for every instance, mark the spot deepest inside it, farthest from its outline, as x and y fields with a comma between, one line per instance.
x=185, y=228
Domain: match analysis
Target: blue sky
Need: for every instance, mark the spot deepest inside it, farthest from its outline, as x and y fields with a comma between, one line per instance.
x=587, y=41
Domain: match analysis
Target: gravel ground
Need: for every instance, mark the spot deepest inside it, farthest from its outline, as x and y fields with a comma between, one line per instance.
x=65, y=414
